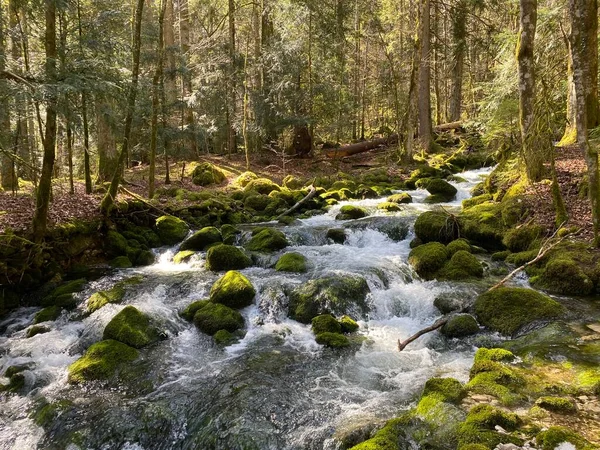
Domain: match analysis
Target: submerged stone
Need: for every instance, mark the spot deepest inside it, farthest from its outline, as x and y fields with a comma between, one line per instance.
x=325, y=323
x=337, y=235
x=332, y=340
x=101, y=361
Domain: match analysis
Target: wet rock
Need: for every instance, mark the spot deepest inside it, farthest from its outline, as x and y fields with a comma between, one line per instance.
x=267, y=240
x=189, y=312
x=337, y=235
x=401, y=199
x=171, y=230
x=37, y=329
x=348, y=324
x=460, y=325
x=226, y=257
x=233, y=290
x=428, y=258
x=462, y=265
x=101, y=361
x=214, y=317
x=131, y=327
x=291, y=262
x=389, y=207
x=202, y=239
x=47, y=314
x=325, y=323
x=332, y=340
x=351, y=212
x=183, y=256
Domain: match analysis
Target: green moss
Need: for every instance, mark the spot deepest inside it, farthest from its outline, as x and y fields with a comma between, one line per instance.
x=145, y=258
x=101, y=298
x=47, y=314
x=229, y=234
x=562, y=405
x=121, y=262
x=131, y=327
x=325, y=323
x=101, y=361
x=365, y=192
x=50, y=411
x=553, y=436
x=332, y=340
x=244, y=178
x=226, y=257
x=447, y=389
x=500, y=256
x=291, y=262
x=348, y=324
x=191, y=310
x=473, y=447
x=292, y=182
x=388, y=438
x=36, y=329
x=213, y=317
x=233, y=289
x=564, y=276
x=334, y=295
x=508, y=309
x=503, y=374
x=437, y=226
x=202, y=239
x=494, y=354
x=590, y=380
x=487, y=417
x=463, y=265
x=437, y=186
x=183, y=256
x=521, y=238
x=477, y=200
x=470, y=434
x=115, y=244
x=224, y=338
x=267, y=240
x=337, y=235
x=460, y=325
x=389, y=207
x=257, y=202
x=518, y=259
x=171, y=230
x=351, y=212
x=206, y=174
x=457, y=245
x=428, y=258
x=402, y=198
x=262, y=186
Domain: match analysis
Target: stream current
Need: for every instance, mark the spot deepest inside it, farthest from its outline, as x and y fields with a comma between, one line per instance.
x=274, y=389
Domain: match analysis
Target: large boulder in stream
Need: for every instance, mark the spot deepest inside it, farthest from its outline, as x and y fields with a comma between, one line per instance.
x=337, y=295
x=202, y=239
x=291, y=262
x=436, y=226
x=101, y=361
x=226, y=257
x=233, y=290
x=351, y=212
x=265, y=239
x=171, y=230
x=132, y=327
x=213, y=317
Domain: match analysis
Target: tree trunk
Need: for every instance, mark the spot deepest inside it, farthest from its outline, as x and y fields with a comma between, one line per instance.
x=105, y=141
x=459, y=35
x=110, y=196
x=42, y=203
x=527, y=94
x=169, y=45
x=232, y=107
x=184, y=40
x=424, y=99
x=6, y=172
x=84, y=117
x=582, y=43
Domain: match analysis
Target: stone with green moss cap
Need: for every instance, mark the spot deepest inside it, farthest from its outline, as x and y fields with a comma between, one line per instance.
x=402, y=198
x=262, y=186
x=436, y=226
x=351, y=212
x=132, y=327
x=267, y=240
x=190, y=310
x=446, y=389
x=457, y=245
x=325, y=323
x=460, y=325
x=171, y=229
x=213, y=317
x=206, y=174
x=428, y=258
x=332, y=340
x=348, y=324
x=233, y=290
x=551, y=438
x=463, y=265
x=183, y=256
x=291, y=262
x=480, y=425
x=202, y=239
x=389, y=207
x=244, y=178
x=47, y=314
x=226, y=257
x=508, y=309
x=101, y=361
x=101, y=298
x=561, y=405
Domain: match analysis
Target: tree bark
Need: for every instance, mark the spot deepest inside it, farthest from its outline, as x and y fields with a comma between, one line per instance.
x=232, y=107
x=109, y=198
x=424, y=99
x=459, y=35
x=6, y=172
x=106, y=142
x=40, y=218
x=184, y=41
x=84, y=116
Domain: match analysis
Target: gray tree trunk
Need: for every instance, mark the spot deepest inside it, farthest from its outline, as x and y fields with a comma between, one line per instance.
x=424, y=89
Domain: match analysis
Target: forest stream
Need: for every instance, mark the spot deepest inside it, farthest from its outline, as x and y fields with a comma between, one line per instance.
x=276, y=388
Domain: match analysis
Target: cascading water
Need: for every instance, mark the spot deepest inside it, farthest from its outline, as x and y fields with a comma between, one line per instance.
x=276, y=388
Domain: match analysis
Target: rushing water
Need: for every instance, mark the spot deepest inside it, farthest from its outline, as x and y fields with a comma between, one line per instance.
x=274, y=389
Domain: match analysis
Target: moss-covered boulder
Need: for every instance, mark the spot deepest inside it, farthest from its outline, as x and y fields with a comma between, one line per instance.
x=206, y=174
x=437, y=186
x=115, y=244
x=263, y=186
x=171, y=230
x=190, y=311
x=463, y=265
x=183, y=256
x=348, y=324
x=330, y=295
x=47, y=314
x=521, y=238
x=121, y=262
x=480, y=427
x=63, y=294
x=401, y=199
x=35, y=330
x=101, y=361
x=389, y=207
x=508, y=309
x=233, y=289
x=291, y=262
x=560, y=405
x=267, y=240
x=244, y=178
x=551, y=438
x=226, y=257
x=337, y=235
x=202, y=239
x=292, y=182
x=224, y=338
x=457, y=245
x=428, y=259
x=432, y=226
x=447, y=390
x=563, y=276
x=332, y=340
x=460, y=325
x=229, y=234
x=351, y=212
x=101, y=298
x=325, y=323
x=213, y=317
x=390, y=437
x=257, y=202
x=131, y=327
x=449, y=302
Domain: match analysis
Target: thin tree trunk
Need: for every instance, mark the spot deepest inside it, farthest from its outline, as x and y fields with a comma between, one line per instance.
x=110, y=196
x=184, y=39
x=7, y=181
x=84, y=116
x=70, y=156
x=424, y=102
x=459, y=35
x=106, y=142
x=40, y=218
x=231, y=143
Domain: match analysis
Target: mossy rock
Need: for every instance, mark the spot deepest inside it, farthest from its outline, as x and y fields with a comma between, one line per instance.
x=462, y=265
x=521, y=238
x=508, y=309
x=183, y=256
x=145, y=258
x=121, y=262
x=132, y=327
x=389, y=207
x=447, y=390
x=449, y=302
x=325, y=323
x=428, y=259
x=229, y=234
x=115, y=244
x=214, y=317
x=226, y=257
x=564, y=276
x=244, y=178
x=480, y=424
x=206, y=174
x=257, y=202
x=202, y=239
x=47, y=413
x=267, y=240
x=63, y=293
x=335, y=295
x=561, y=405
x=190, y=311
x=291, y=262
x=436, y=226
x=233, y=290
x=337, y=235
x=365, y=192
x=35, y=330
x=476, y=200
x=101, y=361
x=292, y=182
x=401, y=199
x=553, y=436
x=348, y=324
x=460, y=325
x=171, y=230
x=224, y=338
x=351, y=212
x=101, y=298
x=457, y=245
x=332, y=340
x=493, y=354
x=48, y=314
x=263, y=186
x=437, y=186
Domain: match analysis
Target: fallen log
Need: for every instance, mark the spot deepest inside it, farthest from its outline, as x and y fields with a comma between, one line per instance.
x=311, y=194
x=448, y=126
x=361, y=147
x=438, y=324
